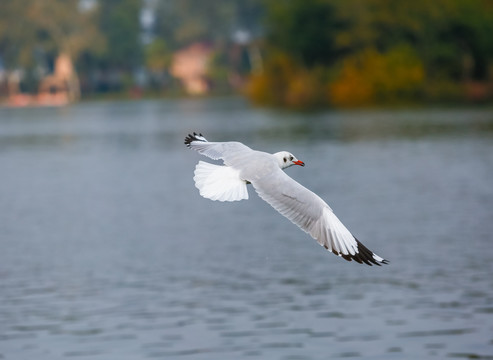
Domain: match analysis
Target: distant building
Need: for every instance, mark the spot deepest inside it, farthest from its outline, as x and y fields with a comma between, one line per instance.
x=57, y=89
x=191, y=65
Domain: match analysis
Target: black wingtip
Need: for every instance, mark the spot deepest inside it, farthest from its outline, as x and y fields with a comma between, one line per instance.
x=194, y=137
x=367, y=256
x=363, y=256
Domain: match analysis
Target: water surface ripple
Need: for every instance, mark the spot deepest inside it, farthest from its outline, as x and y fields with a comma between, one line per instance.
x=107, y=251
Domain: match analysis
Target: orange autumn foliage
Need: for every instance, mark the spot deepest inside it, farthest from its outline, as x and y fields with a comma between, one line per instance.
x=285, y=83
x=371, y=77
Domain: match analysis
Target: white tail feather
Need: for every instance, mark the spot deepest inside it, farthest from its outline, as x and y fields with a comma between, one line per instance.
x=218, y=182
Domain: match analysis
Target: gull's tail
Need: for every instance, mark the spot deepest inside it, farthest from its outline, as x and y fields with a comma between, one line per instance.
x=218, y=182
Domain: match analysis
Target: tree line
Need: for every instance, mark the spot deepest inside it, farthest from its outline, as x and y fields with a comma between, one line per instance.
x=363, y=52
x=293, y=53
x=112, y=44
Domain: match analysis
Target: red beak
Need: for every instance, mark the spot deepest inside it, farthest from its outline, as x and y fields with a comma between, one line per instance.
x=298, y=162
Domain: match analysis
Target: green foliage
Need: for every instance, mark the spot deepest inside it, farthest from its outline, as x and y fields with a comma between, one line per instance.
x=49, y=27
x=219, y=72
x=119, y=22
x=157, y=55
x=182, y=22
x=14, y=33
x=378, y=51
x=304, y=29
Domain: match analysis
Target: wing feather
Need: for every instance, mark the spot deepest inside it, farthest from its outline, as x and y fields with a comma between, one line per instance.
x=308, y=211
x=225, y=151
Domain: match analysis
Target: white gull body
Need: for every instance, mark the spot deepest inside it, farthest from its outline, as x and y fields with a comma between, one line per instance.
x=264, y=171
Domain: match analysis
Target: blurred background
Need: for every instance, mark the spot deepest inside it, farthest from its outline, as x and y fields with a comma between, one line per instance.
x=107, y=250
x=297, y=54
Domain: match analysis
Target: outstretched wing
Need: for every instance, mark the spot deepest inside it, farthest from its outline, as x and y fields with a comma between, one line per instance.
x=307, y=210
x=216, y=150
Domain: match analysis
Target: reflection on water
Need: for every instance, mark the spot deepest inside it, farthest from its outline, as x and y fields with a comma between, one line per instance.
x=108, y=251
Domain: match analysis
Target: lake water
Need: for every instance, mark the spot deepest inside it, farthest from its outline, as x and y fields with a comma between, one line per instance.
x=107, y=251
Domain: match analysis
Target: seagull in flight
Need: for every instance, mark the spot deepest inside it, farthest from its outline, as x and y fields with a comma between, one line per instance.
x=264, y=171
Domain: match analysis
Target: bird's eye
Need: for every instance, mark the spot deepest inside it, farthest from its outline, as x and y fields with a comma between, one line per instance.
x=291, y=158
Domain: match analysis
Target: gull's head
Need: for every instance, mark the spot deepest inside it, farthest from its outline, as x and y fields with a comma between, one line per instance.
x=286, y=159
